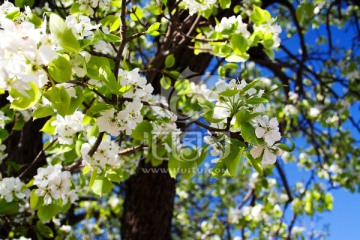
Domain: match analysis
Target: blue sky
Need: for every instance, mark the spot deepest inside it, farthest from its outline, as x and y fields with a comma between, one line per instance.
x=344, y=219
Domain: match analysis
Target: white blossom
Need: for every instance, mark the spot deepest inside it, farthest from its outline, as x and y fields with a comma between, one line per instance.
x=268, y=158
x=6, y=8
x=3, y=119
x=106, y=154
x=233, y=23
x=66, y=228
x=12, y=189
x=269, y=130
x=88, y=6
x=24, y=50
x=272, y=28
x=131, y=115
x=67, y=127
x=80, y=25
x=197, y=6
x=314, y=112
x=139, y=86
x=3, y=155
x=54, y=184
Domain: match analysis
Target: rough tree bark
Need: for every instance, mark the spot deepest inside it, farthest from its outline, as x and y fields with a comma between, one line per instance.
x=149, y=201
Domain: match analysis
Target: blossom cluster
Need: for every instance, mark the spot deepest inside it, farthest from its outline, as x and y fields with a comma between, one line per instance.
x=139, y=88
x=13, y=189
x=198, y=6
x=81, y=26
x=24, y=51
x=66, y=127
x=232, y=25
x=88, y=6
x=269, y=131
x=113, y=121
x=54, y=184
x=107, y=154
x=228, y=98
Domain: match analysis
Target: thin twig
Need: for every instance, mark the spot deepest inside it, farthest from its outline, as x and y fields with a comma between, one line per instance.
x=37, y=158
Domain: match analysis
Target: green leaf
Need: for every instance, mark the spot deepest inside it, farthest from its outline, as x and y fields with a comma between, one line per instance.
x=113, y=176
x=250, y=85
x=65, y=207
x=256, y=100
x=60, y=69
x=300, y=13
x=248, y=133
x=8, y=208
x=259, y=16
x=203, y=155
x=328, y=199
x=239, y=44
x=47, y=212
x=165, y=82
x=99, y=68
x=212, y=119
x=237, y=58
x=107, y=76
x=222, y=71
x=255, y=163
x=222, y=50
x=23, y=3
x=63, y=34
x=169, y=61
x=76, y=101
x=269, y=53
x=219, y=169
x=153, y=28
x=59, y=98
x=244, y=116
x=138, y=14
x=98, y=107
x=48, y=128
x=110, y=37
x=35, y=201
x=112, y=21
x=22, y=102
x=173, y=166
x=43, y=111
x=229, y=93
x=224, y=4
x=232, y=156
x=309, y=9
x=285, y=147
x=206, y=105
x=92, y=178
x=35, y=20
x=44, y=230
x=142, y=131
x=101, y=186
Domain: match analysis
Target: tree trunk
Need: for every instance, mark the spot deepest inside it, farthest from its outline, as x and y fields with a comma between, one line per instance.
x=24, y=145
x=149, y=204
x=149, y=195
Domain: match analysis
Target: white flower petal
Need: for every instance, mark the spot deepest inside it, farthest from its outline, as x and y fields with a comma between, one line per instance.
x=260, y=132
x=256, y=151
x=269, y=157
x=273, y=123
x=263, y=121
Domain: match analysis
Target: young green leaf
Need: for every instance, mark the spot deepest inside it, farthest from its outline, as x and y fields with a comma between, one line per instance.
x=60, y=69
x=63, y=34
x=47, y=212
x=101, y=186
x=169, y=61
